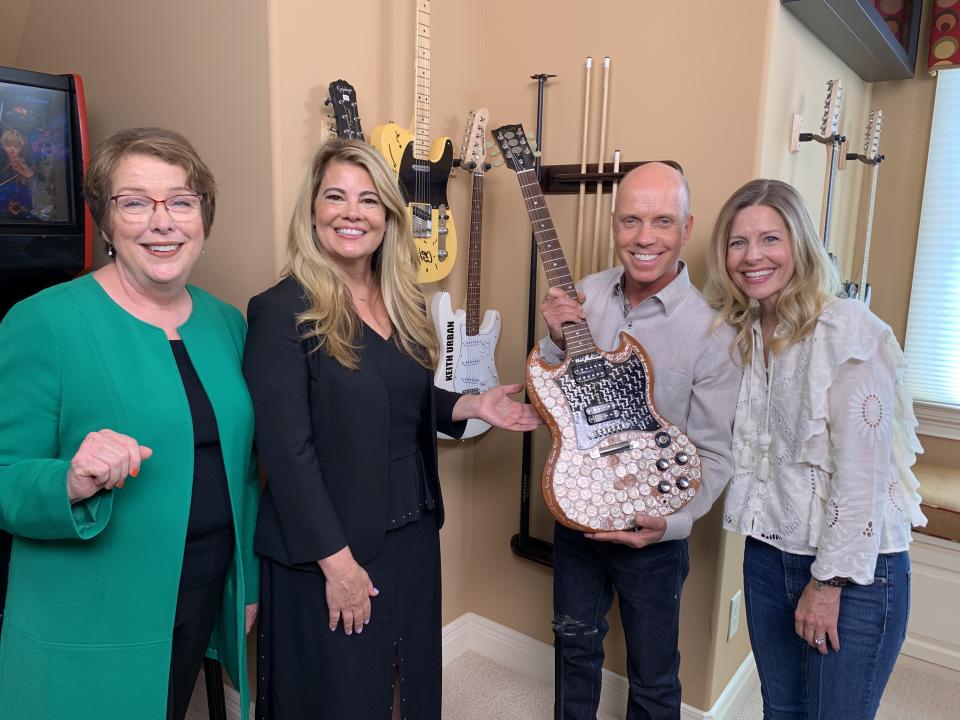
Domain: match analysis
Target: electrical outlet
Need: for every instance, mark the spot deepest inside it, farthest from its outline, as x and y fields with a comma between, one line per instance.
x=734, y=615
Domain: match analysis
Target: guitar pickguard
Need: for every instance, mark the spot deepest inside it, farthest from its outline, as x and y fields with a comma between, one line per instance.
x=612, y=456
x=613, y=399
x=467, y=363
x=424, y=187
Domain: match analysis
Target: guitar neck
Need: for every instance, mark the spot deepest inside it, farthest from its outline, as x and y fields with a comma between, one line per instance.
x=421, y=131
x=473, y=269
x=828, y=195
x=578, y=339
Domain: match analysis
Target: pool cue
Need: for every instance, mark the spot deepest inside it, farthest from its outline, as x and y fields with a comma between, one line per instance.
x=598, y=210
x=613, y=206
x=578, y=248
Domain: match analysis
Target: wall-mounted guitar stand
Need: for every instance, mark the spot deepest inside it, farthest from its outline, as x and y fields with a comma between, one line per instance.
x=523, y=544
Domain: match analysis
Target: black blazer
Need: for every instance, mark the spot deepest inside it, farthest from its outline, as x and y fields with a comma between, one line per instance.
x=322, y=432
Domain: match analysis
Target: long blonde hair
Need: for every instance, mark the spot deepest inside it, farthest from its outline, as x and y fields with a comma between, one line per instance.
x=813, y=284
x=332, y=318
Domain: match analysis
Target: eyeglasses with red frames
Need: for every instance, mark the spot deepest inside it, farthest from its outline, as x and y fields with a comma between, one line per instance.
x=180, y=206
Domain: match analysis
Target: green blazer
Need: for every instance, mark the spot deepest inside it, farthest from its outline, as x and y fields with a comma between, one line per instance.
x=93, y=586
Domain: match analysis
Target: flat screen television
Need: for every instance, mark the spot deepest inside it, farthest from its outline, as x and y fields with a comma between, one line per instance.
x=46, y=234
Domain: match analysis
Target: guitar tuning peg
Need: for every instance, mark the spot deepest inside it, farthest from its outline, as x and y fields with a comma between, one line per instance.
x=326, y=101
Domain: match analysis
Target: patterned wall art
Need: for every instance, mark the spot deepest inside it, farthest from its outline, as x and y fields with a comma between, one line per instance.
x=944, y=36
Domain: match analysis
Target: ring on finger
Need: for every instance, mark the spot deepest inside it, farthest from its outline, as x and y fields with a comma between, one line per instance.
x=819, y=640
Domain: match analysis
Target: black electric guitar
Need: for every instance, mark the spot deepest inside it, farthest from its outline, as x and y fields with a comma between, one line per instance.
x=342, y=99
x=613, y=456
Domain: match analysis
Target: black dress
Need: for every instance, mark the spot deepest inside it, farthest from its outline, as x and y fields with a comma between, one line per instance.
x=208, y=549
x=305, y=671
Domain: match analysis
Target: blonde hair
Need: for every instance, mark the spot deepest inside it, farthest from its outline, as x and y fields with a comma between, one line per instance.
x=332, y=318
x=813, y=284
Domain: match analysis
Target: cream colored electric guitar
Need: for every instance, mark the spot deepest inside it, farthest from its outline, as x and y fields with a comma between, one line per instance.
x=423, y=168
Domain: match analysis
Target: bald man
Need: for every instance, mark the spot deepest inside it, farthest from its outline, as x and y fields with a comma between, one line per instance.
x=649, y=296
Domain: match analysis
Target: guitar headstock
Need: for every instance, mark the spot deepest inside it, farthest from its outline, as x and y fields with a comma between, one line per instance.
x=868, y=133
x=874, y=137
x=346, y=118
x=516, y=150
x=831, y=109
x=473, y=149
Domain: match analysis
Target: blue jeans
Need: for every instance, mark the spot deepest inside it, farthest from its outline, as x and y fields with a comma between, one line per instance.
x=796, y=681
x=648, y=583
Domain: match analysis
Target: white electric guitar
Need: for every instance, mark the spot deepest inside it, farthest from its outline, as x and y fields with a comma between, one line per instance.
x=467, y=346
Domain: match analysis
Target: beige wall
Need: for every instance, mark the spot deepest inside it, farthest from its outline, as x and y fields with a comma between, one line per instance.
x=11, y=28
x=798, y=67
x=142, y=65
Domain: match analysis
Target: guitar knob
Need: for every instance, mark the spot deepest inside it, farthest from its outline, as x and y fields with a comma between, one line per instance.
x=682, y=458
x=662, y=439
x=683, y=483
x=663, y=465
x=664, y=487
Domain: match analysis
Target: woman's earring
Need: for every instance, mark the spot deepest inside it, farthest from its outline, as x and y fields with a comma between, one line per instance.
x=110, y=250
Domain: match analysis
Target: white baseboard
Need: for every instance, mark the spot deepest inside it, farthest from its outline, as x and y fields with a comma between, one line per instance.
x=934, y=634
x=535, y=659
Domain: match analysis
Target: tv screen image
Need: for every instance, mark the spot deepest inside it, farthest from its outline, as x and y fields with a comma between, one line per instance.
x=35, y=155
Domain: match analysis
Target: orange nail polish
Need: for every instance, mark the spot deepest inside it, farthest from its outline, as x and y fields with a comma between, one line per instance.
x=120, y=484
x=134, y=472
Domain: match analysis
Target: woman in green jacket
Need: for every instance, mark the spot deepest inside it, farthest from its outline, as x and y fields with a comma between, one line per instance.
x=126, y=469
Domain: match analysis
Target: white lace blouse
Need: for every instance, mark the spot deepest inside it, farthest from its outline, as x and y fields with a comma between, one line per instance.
x=841, y=437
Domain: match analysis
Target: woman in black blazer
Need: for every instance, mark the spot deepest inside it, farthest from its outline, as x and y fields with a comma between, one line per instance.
x=339, y=361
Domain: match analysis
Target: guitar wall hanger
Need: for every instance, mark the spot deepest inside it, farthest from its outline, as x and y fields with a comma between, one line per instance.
x=866, y=160
x=566, y=179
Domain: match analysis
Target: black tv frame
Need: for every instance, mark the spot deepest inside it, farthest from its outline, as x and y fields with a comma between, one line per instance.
x=36, y=255
x=858, y=34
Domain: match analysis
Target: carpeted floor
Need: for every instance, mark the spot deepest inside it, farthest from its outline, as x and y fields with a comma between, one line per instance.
x=917, y=690
x=476, y=688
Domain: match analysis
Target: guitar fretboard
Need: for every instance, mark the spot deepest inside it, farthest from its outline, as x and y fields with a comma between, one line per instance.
x=421, y=131
x=473, y=267
x=577, y=336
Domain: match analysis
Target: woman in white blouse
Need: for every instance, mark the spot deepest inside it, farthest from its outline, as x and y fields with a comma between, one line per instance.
x=823, y=443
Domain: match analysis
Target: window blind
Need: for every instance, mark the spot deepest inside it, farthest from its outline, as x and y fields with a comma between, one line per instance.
x=933, y=326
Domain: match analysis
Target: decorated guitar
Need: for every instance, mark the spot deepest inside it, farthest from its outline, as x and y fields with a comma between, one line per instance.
x=423, y=168
x=613, y=456
x=342, y=99
x=467, y=346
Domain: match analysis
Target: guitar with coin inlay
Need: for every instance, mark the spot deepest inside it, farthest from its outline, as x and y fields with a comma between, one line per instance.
x=613, y=456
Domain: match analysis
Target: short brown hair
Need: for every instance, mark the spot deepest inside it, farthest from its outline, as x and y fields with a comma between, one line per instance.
x=166, y=145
